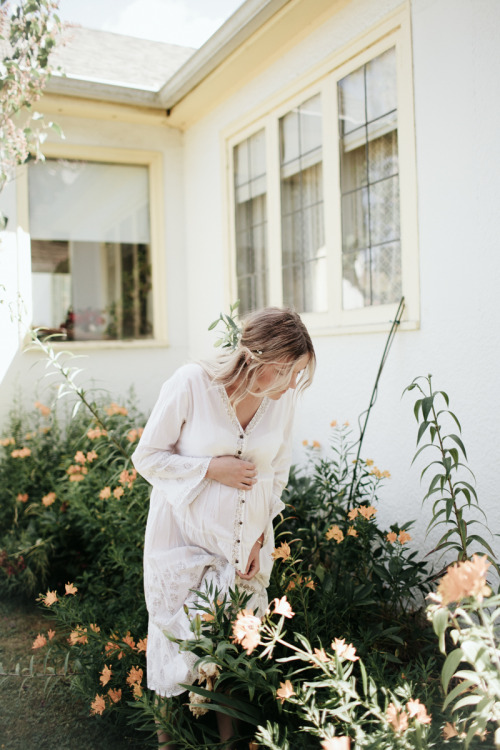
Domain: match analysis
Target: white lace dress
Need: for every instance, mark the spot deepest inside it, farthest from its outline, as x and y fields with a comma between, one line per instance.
x=200, y=531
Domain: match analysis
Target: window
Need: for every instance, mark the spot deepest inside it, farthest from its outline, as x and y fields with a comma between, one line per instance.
x=338, y=242
x=91, y=249
x=369, y=176
x=302, y=229
x=251, y=221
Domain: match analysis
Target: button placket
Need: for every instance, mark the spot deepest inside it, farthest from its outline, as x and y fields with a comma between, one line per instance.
x=240, y=509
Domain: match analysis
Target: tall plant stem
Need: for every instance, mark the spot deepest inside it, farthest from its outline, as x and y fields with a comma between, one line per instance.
x=463, y=536
x=395, y=324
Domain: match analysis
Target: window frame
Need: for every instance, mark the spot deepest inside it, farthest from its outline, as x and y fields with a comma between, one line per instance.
x=153, y=160
x=393, y=33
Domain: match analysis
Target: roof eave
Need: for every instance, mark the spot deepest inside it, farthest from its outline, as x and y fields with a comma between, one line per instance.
x=238, y=28
x=102, y=91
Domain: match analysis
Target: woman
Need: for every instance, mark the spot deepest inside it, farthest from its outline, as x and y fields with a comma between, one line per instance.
x=217, y=450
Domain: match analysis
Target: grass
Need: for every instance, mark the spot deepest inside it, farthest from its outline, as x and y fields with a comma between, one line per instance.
x=40, y=712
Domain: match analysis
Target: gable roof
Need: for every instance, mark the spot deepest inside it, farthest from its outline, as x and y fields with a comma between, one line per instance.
x=115, y=68
x=113, y=62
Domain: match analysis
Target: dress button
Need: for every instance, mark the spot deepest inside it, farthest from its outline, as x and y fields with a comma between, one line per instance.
x=241, y=523
x=239, y=453
x=241, y=437
x=238, y=541
x=236, y=561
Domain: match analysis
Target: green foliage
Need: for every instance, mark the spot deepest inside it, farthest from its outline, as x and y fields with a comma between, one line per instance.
x=473, y=689
x=453, y=496
x=230, y=337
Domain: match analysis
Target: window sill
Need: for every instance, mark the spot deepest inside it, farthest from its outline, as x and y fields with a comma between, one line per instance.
x=88, y=346
x=380, y=327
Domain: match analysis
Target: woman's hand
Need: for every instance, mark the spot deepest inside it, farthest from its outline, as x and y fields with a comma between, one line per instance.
x=253, y=565
x=233, y=472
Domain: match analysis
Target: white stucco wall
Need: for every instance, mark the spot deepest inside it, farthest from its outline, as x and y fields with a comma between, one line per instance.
x=456, y=70
x=116, y=368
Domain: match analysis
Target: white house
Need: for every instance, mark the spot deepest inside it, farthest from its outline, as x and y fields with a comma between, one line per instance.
x=331, y=155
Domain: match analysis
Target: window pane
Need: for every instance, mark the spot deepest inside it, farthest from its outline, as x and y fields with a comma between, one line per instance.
x=370, y=184
x=302, y=222
x=91, y=265
x=251, y=221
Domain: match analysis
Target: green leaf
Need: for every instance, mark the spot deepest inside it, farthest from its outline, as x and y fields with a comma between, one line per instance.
x=452, y=661
x=458, y=442
x=457, y=690
x=440, y=623
x=421, y=430
x=427, y=406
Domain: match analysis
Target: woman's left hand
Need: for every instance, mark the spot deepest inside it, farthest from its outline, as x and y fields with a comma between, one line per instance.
x=253, y=565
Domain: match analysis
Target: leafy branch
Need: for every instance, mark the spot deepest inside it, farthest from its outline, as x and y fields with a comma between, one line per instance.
x=452, y=495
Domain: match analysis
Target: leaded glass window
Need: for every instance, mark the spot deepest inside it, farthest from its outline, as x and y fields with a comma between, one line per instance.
x=250, y=190
x=302, y=224
x=369, y=175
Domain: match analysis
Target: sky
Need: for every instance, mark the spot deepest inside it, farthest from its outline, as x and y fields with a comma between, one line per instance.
x=186, y=22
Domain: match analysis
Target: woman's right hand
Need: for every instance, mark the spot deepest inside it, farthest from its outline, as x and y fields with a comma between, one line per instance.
x=233, y=472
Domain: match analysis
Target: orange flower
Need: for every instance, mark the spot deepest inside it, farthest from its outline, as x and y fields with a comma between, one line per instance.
x=351, y=531
x=320, y=654
x=98, y=705
x=367, y=511
x=344, y=651
x=309, y=583
x=369, y=462
x=404, y=537
x=111, y=648
x=22, y=498
x=51, y=634
x=44, y=410
x=391, y=537
x=118, y=492
x=397, y=718
x=333, y=423
x=386, y=474
x=129, y=641
x=207, y=617
x=334, y=532
x=96, y=433
x=246, y=630
x=115, y=695
x=105, y=493
x=336, y=743
x=48, y=499
x=142, y=645
x=21, y=453
x=346, y=424
x=316, y=444
x=134, y=676
x=70, y=588
x=113, y=409
x=418, y=711
x=132, y=435
x=282, y=607
x=305, y=442
x=128, y=478
x=78, y=636
x=352, y=514
x=39, y=641
x=465, y=579
x=95, y=628
x=137, y=690
x=91, y=456
x=50, y=598
x=449, y=731
x=283, y=552
x=79, y=457
x=106, y=675
x=76, y=477
x=285, y=691
x=7, y=441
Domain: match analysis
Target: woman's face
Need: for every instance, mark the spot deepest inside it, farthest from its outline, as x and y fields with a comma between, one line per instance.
x=277, y=373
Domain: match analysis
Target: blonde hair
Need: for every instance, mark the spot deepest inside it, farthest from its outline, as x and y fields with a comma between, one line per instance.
x=271, y=336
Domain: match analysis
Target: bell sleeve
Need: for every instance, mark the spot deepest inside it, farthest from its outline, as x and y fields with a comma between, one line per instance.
x=179, y=478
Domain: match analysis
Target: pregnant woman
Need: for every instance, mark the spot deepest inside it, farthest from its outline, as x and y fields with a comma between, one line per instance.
x=217, y=451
